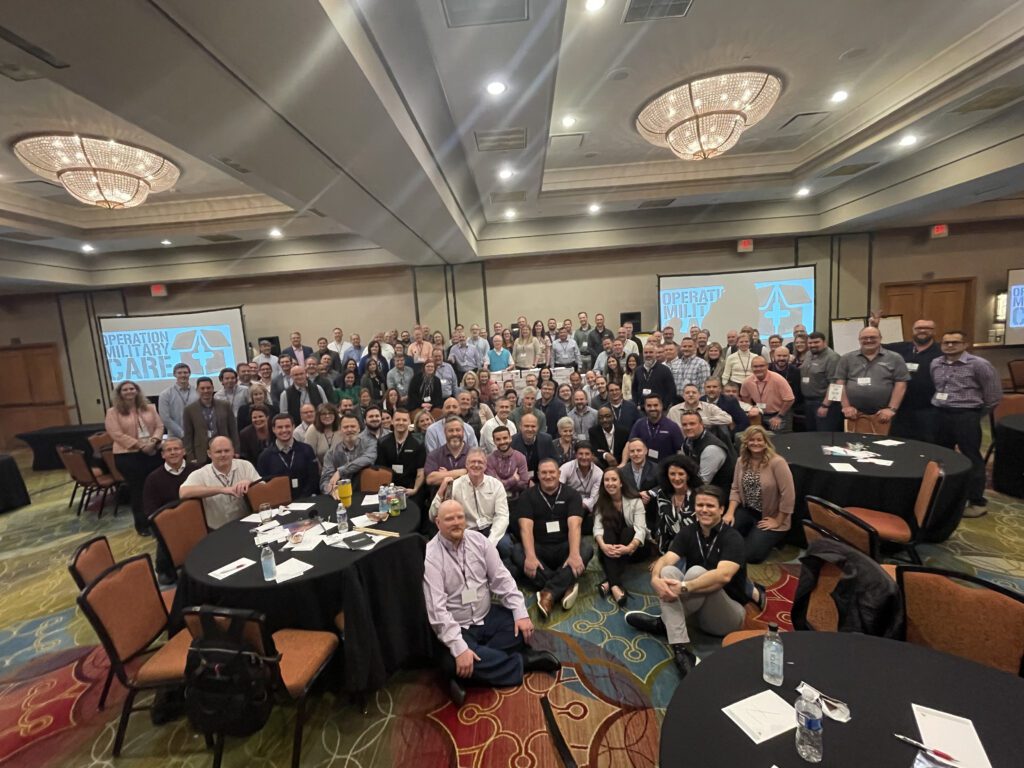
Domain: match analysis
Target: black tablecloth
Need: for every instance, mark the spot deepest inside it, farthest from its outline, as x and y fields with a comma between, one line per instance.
x=380, y=590
x=878, y=678
x=1008, y=468
x=13, y=493
x=44, y=442
x=889, y=489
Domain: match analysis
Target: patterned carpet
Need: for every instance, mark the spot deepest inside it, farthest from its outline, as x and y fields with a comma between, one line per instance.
x=608, y=699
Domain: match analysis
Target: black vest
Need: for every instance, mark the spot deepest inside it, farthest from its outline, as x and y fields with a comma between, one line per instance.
x=295, y=400
x=722, y=478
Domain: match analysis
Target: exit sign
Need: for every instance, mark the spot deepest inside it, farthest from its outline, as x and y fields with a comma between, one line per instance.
x=940, y=230
x=745, y=246
x=158, y=290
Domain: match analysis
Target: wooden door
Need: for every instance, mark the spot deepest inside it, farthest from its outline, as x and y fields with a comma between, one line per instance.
x=33, y=393
x=903, y=300
x=950, y=303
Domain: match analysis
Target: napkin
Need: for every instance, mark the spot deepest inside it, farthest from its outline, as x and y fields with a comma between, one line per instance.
x=833, y=708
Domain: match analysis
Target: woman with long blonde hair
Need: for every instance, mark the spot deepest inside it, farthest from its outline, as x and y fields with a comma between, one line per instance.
x=762, y=495
x=137, y=430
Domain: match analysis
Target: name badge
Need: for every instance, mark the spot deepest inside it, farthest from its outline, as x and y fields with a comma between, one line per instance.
x=652, y=453
x=835, y=392
x=806, y=379
x=553, y=526
x=295, y=482
x=426, y=399
x=646, y=392
x=469, y=595
x=912, y=367
x=864, y=381
x=942, y=396
x=209, y=434
x=398, y=468
x=762, y=407
x=585, y=345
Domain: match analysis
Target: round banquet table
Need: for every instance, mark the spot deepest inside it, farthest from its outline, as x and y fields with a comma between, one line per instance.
x=878, y=678
x=889, y=489
x=1008, y=468
x=308, y=601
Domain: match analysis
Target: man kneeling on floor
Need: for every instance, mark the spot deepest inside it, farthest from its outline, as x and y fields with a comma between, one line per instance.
x=487, y=643
x=713, y=587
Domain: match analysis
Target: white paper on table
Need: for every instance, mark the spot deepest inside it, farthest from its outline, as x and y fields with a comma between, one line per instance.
x=271, y=536
x=880, y=462
x=289, y=569
x=232, y=568
x=363, y=521
x=308, y=543
x=762, y=716
x=370, y=500
x=335, y=539
x=888, y=442
x=951, y=734
x=300, y=506
x=841, y=467
x=268, y=526
x=253, y=518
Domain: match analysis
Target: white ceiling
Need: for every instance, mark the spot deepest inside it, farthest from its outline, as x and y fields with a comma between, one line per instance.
x=369, y=112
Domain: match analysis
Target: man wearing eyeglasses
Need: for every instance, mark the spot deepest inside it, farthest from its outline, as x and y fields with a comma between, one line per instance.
x=916, y=418
x=966, y=388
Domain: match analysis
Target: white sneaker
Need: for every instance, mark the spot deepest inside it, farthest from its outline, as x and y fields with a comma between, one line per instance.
x=570, y=597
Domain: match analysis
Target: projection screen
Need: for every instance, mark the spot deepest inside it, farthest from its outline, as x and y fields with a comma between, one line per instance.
x=771, y=300
x=1014, y=307
x=145, y=348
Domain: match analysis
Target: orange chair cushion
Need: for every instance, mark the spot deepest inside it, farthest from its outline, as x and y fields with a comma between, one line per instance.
x=303, y=655
x=167, y=596
x=167, y=665
x=890, y=527
x=890, y=570
x=741, y=635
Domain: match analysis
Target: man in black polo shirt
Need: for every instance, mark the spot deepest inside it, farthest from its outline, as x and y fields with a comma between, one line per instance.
x=405, y=457
x=917, y=418
x=714, y=587
x=291, y=457
x=552, y=555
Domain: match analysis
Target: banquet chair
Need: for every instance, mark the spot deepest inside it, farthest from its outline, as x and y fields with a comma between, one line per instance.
x=868, y=425
x=1016, y=375
x=436, y=413
x=179, y=526
x=372, y=478
x=843, y=526
x=124, y=607
x=100, y=440
x=90, y=560
x=275, y=491
x=84, y=477
x=297, y=657
x=893, y=529
x=1009, y=405
x=963, y=615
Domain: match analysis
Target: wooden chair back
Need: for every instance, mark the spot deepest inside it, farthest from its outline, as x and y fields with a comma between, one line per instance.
x=275, y=491
x=931, y=485
x=1017, y=375
x=843, y=526
x=107, y=454
x=372, y=478
x=100, y=440
x=76, y=465
x=90, y=560
x=179, y=526
x=868, y=425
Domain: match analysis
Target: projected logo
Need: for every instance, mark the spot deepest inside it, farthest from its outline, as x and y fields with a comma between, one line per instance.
x=148, y=355
x=1015, y=310
x=689, y=305
x=784, y=304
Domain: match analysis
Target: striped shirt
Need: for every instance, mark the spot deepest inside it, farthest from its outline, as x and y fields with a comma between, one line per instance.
x=969, y=382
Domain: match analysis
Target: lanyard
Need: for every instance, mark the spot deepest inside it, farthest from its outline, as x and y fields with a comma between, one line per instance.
x=220, y=478
x=544, y=496
x=585, y=483
x=291, y=458
x=700, y=545
x=462, y=565
x=761, y=388
x=651, y=434
x=184, y=398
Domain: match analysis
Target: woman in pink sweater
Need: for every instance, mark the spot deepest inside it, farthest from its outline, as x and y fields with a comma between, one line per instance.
x=137, y=430
x=762, y=496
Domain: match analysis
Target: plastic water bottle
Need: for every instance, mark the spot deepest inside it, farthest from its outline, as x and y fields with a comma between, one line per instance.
x=382, y=501
x=394, y=505
x=342, y=518
x=268, y=563
x=808, y=727
x=772, y=657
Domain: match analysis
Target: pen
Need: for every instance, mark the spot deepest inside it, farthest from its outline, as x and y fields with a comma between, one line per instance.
x=934, y=752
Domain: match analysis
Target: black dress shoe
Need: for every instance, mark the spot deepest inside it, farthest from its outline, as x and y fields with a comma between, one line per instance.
x=684, y=659
x=145, y=532
x=166, y=580
x=540, y=661
x=646, y=622
x=456, y=692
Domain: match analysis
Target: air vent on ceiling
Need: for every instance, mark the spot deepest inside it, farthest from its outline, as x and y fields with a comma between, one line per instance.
x=850, y=170
x=502, y=139
x=565, y=142
x=997, y=97
x=219, y=238
x=23, y=237
x=499, y=198
x=652, y=10
x=657, y=203
x=474, y=13
x=33, y=50
x=802, y=122
x=19, y=74
x=237, y=167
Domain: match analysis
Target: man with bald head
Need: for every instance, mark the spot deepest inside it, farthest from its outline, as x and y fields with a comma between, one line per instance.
x=435, y=432
x=874, y=379
x=222, y=484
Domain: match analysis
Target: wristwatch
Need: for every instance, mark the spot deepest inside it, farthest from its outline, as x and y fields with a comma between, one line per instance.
x=683, y=589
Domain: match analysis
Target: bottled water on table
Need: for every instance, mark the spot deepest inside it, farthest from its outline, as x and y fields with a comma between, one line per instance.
x=772, y=657
x=268, y=563
x=382, y=501
x=342, y=518
x=808, y=727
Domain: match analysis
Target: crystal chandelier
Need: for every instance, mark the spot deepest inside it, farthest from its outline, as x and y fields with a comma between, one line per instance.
x=704, y=118
x=97, y=171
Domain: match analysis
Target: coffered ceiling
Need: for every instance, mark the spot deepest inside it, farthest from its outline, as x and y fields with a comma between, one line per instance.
x=363, y=130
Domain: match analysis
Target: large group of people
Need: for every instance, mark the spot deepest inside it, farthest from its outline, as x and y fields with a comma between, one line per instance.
x=656, y=449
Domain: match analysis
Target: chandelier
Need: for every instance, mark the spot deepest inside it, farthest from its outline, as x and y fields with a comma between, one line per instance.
x=96, y=171
x=704, y=118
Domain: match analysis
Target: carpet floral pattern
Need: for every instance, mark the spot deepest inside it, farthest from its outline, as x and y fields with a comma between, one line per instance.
x=608, y=699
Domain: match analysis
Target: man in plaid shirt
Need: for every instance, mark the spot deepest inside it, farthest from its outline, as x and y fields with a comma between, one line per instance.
x=688, y=368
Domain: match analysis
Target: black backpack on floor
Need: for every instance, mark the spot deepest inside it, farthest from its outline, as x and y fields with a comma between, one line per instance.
x=230, y=680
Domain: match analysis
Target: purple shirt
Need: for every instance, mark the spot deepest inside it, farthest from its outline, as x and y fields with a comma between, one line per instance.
x=664, y=437
x=504, y=466
x=970, y=382
x=449, y=570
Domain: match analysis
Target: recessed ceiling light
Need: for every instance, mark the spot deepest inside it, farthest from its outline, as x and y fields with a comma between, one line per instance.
x=803, y=192
x=568, y=121
x=908, y=140
x=506, y=173
x=166, y=242
x=496, y=88
x=839, y=96
x=86, y=248
x=275, y=232
x=510, y=213
x=593, y=209
x=593, y=6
